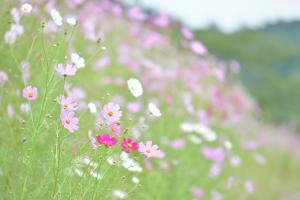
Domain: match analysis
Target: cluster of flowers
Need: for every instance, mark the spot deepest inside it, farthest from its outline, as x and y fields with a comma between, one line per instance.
x=111, y=115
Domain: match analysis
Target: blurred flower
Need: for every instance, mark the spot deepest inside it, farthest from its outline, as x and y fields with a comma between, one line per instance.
x=56, y=17
x=115, y=128
x=135, y=180
x=67, y=70
x=119, y=194
x=129, y=163
x=77, y=61
x=135, y=87
x=92, y=140
x=92, y=108
x=197, y=192
x=215, y=154
x=111, y=112
x=69, y=121
x=150, y=150
x=67, y=103
x=106, y=140
x=25, y=107
x=26, y=8
x=3, y=78
x=128, y=145
x=249, y=186
x=71, y=21
x=30, y=93
x=198, y=48
x=154, y=110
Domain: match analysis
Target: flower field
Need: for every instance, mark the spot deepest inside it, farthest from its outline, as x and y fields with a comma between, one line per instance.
x=99, y=100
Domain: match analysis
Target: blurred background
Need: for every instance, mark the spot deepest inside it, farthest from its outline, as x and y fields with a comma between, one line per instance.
x=263, y=36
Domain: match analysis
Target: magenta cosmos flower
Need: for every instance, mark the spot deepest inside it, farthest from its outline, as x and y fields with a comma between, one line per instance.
x=106, y=140
x=67, y=70
x=111, y=112
x=115, y=128
x=67, y=103
x=30, y=93
x=69, y=121
x=150, y=150
x=128, y=145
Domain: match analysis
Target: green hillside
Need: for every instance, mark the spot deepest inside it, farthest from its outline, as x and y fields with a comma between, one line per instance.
x=270, y=65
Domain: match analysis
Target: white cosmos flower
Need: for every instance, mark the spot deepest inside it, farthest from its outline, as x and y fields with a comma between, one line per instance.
x=26, y=8
x=135, y=87
x=119, y=194
x=71, y=21
x=92, y=108
x=135, y=180
x=129, y=163
x=77, y=61
x=58, y=20
x=154, y=110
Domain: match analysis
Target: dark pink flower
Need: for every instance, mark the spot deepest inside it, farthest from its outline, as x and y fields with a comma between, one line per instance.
x=128, y=145
x=106, y=140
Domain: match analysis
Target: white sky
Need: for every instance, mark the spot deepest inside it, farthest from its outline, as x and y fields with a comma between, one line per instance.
x=229, y=15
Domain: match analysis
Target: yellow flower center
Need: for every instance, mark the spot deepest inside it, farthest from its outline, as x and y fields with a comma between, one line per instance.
x=66, y=106
x=114, y=129
x=148, y=150
x=110, y=113
x=30, y=94
x=129, y=145
x=67, y=121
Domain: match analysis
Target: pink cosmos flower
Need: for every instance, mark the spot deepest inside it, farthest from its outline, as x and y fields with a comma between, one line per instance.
x=198, y=48
x=128, y=145
x=106, y=140
x=111, y=112
x=115, y=128
x=197, y=192
x=214, y=154
x=69, y=121
x=67, y=70
x=67, y=103
x=150, y=150
x=30, y=93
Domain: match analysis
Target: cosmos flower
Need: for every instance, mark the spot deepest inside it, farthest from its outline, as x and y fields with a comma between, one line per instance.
x=26, y=8
x=67, y=70
x=119, y=194
x=77, y=61
x=215, y=154
x=69, y=121
x=30, y=93
x=129, y=163
x=198, y=48
x=128, y=145
x=115, y=128
x=58, y=20
x=71, y=21
x=111, y=112
x=106, y=140
x=135, y=87
x=150, y=150
x=67, y=103
x=154, y=110
x=92, y=108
